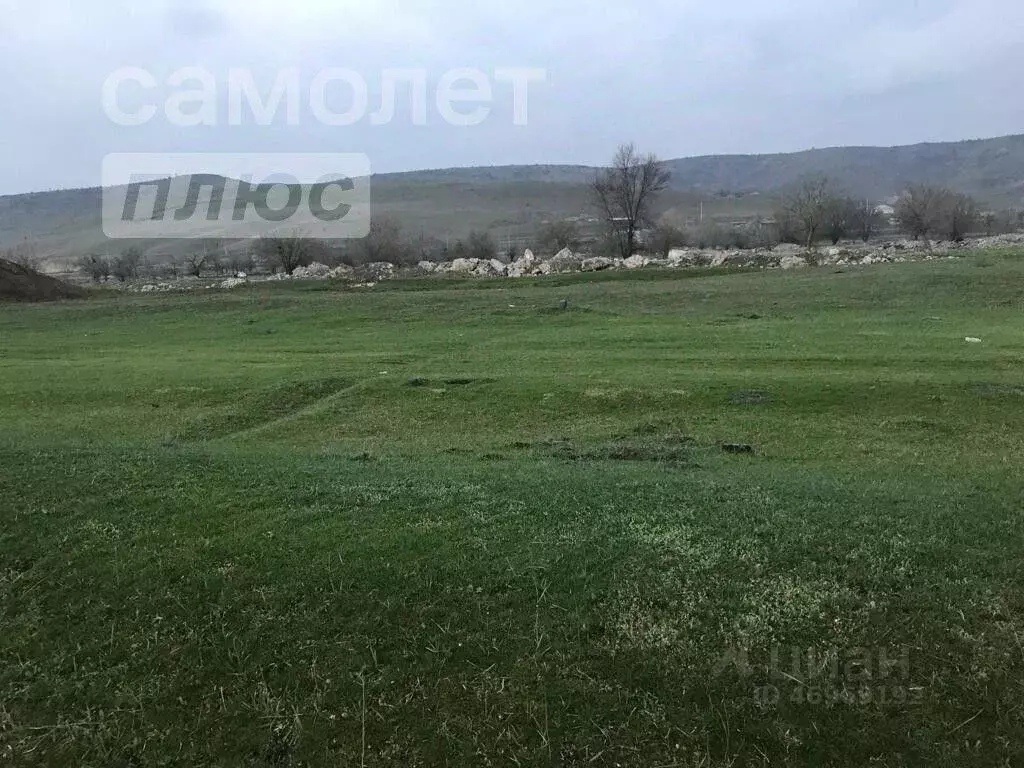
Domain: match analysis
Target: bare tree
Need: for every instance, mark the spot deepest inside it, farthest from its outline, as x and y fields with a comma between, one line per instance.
x=168, y=270
x=197, y=260
x=989, y=219
x=625, y=191
x=288, y=253
x=481, y=245
x=195, y=263
x=556, y=235
x=806, y=207
x=920, y=210
x=960, y=214
x=24, y=254
x=384, y=243
x=839, y=216
x=427, y=248
x=866, y=219
x=240, y=260
x=98, y=268
x=788, y=228
x=126, y=265
x=664, y=238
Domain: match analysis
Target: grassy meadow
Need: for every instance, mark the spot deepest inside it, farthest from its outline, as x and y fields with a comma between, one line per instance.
x=449, y=523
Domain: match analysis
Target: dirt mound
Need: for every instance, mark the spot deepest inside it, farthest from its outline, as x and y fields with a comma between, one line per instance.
x=19, y=283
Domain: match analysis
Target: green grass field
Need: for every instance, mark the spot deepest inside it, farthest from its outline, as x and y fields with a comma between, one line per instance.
x=444, y=523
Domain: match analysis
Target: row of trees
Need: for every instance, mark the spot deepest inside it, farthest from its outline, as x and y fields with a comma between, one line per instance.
x=385, y=242
x=123, y=267
x=816, y=208
x=129, y=264
x=626, y=191
x=286, y=253
x=926, y=211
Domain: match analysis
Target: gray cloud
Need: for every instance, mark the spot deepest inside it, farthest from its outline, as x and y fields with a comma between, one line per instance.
x=680, y=77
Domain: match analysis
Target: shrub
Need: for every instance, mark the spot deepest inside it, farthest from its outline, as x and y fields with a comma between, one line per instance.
x=480, y=245
x=97, y=268
x=126, y=265
x=557, y=235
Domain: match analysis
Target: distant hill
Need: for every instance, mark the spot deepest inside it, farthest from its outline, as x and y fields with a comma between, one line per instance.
x=992, y=169
x=512, y=201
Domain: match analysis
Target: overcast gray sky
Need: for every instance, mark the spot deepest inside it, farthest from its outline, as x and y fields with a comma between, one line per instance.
x=679, y=77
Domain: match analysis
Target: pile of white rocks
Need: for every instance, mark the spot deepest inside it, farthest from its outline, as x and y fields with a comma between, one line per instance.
x=317, y=271
x=785, y=257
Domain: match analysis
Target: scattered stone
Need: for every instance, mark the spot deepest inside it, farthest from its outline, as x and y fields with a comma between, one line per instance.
x=636, y=262
x=381, y=270
x=793, y=262
x=233, y=282
x=972, y=340
x=788, y=249
x=737, y=448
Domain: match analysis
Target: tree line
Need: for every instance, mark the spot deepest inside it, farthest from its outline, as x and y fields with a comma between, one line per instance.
x=287, y=252
x=815, y=209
